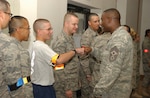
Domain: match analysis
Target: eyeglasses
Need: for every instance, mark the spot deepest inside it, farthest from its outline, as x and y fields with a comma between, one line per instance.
x=49, y=29
x=10, y=14
x=25, y=28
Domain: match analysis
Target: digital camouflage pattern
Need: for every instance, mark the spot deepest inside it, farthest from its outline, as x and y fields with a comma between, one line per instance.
x=67, y=78
x=116, y=66
x=16, y=64
x=135, y=66
x=98, y=46
x=146, y=60
x=86, y=40
x=86, y=65
x=4, y=40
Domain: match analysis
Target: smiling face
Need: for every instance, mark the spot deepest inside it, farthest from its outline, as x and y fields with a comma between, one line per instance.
x=105, y=22
x=94, y=22
x=72, y=25
x=46, y=32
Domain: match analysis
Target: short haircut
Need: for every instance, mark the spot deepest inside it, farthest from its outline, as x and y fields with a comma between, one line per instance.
x=68, y=15
x=15, y=22
x=4, y=5
x=146, y=32
x=38, y=24
x=114, y=13
x=90, y=15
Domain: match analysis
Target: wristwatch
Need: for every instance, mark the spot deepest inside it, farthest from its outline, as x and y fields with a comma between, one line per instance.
x=74, y=51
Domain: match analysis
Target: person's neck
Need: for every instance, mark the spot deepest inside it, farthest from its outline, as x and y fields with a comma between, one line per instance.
x=66, y=31
x=16, y=36
x=115, y=27
x=40, y=39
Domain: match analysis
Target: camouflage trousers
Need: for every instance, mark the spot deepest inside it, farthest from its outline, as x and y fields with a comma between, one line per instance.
x=85, y=87
x=146, y=81
x=4, y=92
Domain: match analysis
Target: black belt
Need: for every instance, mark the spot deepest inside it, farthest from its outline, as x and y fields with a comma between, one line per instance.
x=20, y=82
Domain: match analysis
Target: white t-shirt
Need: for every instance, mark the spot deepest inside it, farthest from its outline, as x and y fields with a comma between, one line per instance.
x=41, y=66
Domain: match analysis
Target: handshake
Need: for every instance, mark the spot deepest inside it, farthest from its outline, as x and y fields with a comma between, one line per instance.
x=83, y=50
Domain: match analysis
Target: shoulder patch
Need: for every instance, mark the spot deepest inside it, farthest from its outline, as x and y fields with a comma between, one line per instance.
x=113, y=54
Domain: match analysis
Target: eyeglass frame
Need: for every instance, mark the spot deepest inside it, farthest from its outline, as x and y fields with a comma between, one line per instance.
x=49, y=29
x=25, y=28
x=10, y=14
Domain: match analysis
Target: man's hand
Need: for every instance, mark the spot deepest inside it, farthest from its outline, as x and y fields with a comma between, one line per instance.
x=80, y=50
x=89, y=78
x=69, y=94
x=87, y=49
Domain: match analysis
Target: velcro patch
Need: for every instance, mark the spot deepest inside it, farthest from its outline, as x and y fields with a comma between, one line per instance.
x=113, y=54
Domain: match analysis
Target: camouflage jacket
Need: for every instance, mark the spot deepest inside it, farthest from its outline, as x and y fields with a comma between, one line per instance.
x=146, y=50
x=67, y=78
x=98, y=46
x=146, y=55
x=16, y=64
x=116, y=66
x=4, y=40
x=86, y=40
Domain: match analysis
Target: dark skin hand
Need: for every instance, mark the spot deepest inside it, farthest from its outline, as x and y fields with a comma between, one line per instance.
x=87, y=49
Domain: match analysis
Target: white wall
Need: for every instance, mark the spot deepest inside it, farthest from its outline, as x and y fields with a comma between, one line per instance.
x=132, y=14
x=33, y=9
x=145, y=20
x=28, y=9
x=54, y=11
x=121, y=6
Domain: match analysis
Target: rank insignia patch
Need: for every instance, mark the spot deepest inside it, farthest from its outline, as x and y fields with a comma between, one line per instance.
x=113, y=54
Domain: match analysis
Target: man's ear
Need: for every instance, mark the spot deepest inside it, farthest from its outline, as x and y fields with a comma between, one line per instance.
x=1, y=16
x=89, y=23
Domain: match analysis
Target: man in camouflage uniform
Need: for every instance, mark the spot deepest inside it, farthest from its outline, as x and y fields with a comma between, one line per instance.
x=4, y=19
x=86, y=64
x=17, y=61
x=98, y=46
x=136, y=61
x=117, y=58
x=67, y=79
x=146, y=62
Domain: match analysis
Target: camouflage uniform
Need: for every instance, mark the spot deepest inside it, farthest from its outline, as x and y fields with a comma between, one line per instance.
x=86, y=65
x=146, y=61
x=97, y=48
x=16, y=65
x=4, y=39
x=116, y=66
x=67, y=78
x=135, y=66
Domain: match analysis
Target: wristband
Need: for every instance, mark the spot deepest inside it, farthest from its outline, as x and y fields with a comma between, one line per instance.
x=74, y=51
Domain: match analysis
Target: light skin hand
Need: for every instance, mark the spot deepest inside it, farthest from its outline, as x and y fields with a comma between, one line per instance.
x=69, y=94
x=80, y=50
